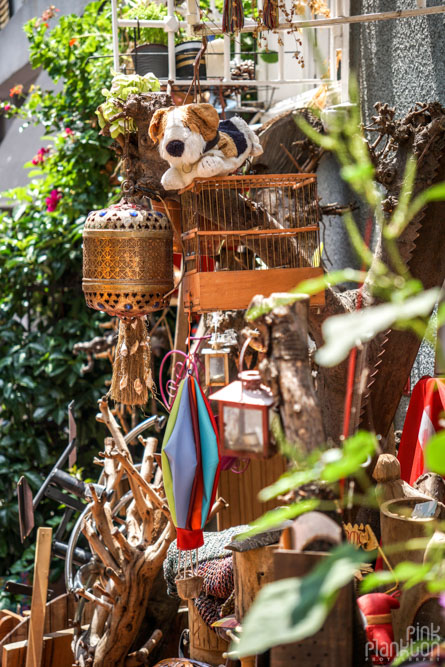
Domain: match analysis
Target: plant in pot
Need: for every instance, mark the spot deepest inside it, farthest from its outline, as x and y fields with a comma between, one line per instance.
x=186, y=50
x=151, y=54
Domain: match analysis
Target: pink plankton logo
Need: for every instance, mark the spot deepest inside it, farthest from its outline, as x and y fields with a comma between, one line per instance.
x=421, y=642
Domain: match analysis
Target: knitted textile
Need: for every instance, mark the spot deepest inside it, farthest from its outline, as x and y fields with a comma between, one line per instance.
x=213, y=547
x=217, y=587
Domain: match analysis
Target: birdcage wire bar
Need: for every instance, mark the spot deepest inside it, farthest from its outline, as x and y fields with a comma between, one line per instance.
x=253, y=223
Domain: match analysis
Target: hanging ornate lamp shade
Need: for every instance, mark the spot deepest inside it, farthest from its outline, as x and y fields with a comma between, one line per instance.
x=128, y=272
x=127, y=260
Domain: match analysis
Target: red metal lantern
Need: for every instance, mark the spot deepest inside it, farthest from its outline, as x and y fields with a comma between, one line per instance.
x=244, y=417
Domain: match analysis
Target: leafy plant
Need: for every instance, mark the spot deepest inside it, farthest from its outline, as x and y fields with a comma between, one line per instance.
x=42, y=309
x=148, y=11
x=153, y=11
x=122, y=86
x=293, y=609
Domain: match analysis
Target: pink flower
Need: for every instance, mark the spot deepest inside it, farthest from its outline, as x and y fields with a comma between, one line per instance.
x=6, y=107
x=52, y=201
x=40, y=157
x=68, y=131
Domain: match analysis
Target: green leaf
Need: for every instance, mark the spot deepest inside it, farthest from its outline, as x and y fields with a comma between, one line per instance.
x=409, y=572
x=269, y=57
x=435, y=453
x=291, y=610
x=341, y=333
x=306, y=288
x=276, y=517
x=355, y=452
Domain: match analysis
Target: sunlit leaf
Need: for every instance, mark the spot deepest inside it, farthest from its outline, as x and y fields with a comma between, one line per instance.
x=343, y=332
x=406, y=571
x=276, y=517
x=290, y=610
x=435, y=453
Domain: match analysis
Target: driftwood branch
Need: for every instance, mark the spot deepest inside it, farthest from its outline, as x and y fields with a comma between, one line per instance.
x=131, y=546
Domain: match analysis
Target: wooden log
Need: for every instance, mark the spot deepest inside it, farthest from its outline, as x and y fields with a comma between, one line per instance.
x=251, y=571
x=56, y=651
x=287, y=370
x=397, y=527
x=389, y=484
x=205, y=644
x=39, y=595
x=332, y=645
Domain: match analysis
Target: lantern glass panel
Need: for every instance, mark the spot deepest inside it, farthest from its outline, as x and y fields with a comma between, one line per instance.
x=243, y=429
x=217, y=368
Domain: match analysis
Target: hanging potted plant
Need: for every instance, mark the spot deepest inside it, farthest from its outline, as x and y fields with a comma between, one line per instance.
x=150, y=52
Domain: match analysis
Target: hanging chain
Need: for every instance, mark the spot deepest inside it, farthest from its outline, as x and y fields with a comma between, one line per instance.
x=127, y=186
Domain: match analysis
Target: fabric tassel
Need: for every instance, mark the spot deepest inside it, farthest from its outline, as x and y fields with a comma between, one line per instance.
x=270, y=14
x=132, y=376
x=233, y=16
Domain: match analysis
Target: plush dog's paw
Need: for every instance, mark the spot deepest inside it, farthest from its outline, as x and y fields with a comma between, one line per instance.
x=210, y=165
x=172, y=179
x=257, y=149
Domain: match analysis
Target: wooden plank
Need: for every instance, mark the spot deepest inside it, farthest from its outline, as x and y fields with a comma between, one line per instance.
x=8, y=623
x=241, y=491
x=56, y=651
x=234, y=290
x=59, y=612
x=333, y=644
x=280, y=231
x=39, y=595
x=251, y=571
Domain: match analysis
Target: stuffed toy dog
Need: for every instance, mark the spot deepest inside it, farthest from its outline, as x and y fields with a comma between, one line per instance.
x=197, y=145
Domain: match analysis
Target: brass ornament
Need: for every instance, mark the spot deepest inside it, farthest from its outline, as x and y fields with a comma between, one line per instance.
x=127, y=260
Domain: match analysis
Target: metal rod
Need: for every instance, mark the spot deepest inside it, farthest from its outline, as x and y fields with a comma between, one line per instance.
x=344, y=94
x=227, y=74
x=155, y=23
x=115, y=36
x=250, y=26
x=151, y=421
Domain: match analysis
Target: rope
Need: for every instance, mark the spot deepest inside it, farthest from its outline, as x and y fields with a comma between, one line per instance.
x=195, y=81
x=213, y=548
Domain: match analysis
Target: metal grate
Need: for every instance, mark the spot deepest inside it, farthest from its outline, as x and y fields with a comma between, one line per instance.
x=252, y=223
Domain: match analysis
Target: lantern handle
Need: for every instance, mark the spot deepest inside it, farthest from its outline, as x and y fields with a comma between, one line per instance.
x=243, y=352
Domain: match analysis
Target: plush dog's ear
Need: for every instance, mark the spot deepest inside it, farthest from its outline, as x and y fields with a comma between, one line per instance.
x=157, y=125
x=202, y=118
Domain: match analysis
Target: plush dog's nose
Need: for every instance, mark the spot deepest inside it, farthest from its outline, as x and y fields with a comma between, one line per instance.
x=175, y=148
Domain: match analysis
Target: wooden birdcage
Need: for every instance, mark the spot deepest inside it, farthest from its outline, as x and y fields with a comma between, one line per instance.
x=248, y=235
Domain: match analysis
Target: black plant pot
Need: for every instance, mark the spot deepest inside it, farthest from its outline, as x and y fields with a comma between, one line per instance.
x=186, y=53
x=151, y=58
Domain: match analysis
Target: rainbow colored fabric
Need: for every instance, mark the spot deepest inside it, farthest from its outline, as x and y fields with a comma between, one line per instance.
x=190, y=463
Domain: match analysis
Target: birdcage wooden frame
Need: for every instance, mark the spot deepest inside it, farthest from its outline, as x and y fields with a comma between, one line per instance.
x=235, y=248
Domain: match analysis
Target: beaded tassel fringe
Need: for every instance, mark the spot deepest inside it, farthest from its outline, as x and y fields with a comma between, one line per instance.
x=132, y=376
